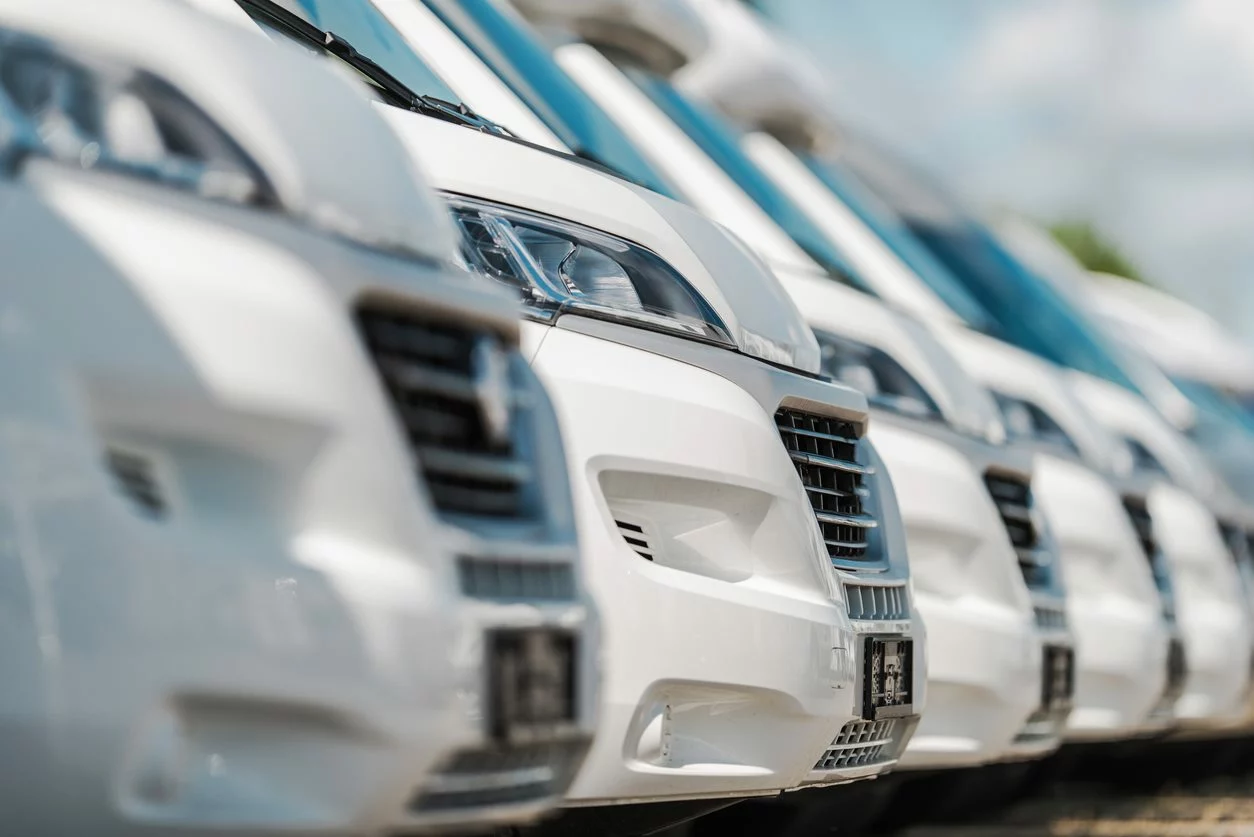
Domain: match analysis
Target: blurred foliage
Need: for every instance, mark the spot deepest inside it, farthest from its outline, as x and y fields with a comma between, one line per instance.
x=1093, y=251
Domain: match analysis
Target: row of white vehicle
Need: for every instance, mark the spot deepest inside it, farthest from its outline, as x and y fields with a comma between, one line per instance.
x=429, y=415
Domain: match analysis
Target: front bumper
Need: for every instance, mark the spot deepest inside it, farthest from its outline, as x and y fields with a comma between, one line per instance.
x=730, y=653
x=984, y=656
x=1113, y=607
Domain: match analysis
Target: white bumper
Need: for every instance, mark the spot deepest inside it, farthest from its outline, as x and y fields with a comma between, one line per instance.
x=1113, y=606
x=729, y=651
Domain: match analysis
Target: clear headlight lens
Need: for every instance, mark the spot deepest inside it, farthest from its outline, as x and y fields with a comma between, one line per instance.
x=883, y=380
x=92, y=113
x=560, y=266
x=1026, y=422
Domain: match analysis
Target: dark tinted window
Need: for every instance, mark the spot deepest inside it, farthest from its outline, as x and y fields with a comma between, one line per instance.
x=720, y=140
x=508, y=46
x=892, y=231
x=1027, y=310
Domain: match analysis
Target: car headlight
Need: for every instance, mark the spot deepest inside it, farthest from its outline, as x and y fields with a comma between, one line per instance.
x=1026, y=422
x=560, y=266
x=883, y=380
x=96, y=114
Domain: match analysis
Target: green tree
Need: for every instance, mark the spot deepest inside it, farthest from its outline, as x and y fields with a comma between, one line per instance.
x=1094, y=251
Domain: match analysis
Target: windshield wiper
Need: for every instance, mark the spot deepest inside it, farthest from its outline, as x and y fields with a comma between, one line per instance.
x=389, y=86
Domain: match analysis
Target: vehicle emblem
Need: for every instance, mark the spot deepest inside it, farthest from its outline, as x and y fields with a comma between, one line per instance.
x=490, y=367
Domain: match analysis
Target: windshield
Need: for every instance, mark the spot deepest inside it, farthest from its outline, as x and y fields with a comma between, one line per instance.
x=370, y=33
x=720, y=141
x=1224, y=431
x=892, y=231
x=1028, y=311
x=515, y=54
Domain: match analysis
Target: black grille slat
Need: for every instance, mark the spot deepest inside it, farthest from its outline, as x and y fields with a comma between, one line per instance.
x=432, y=373
x=824, y=451
x=1143, y=523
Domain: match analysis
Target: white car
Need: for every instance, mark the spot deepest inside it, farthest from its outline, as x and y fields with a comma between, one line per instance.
x=238, y=602
x=1119, y=630
x=1013, y=712
x=1119, y=585
x=1212, y=603
x=686, y=383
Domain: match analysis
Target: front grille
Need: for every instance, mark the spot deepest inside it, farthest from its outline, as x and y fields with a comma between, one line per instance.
x=1050, y=618
x=859, y=743
x=501, y=776
x=1013, y=498
x=868, y=602
x=454, y=391
x=1143, y=523
x=1177, y=674
x=1138, y=513
x=1234, y=539
x=504, y=580
x=825, y=453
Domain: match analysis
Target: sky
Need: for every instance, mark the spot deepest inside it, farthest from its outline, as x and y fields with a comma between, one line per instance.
x=1135, y=115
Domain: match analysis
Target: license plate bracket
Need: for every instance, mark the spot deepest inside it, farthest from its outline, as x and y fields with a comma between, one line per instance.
x=888, y=681
x=531, y=689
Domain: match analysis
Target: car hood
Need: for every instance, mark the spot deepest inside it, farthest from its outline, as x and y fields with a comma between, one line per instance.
x=293, y=115
x=761, y=317
x=846, y=312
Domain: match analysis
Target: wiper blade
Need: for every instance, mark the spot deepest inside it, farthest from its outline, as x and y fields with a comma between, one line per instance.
x=393, y=89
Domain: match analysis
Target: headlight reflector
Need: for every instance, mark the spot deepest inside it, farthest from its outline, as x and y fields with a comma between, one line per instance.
x=1026, y=422
x=559, y=266
x=92, y=113
x=883, y=380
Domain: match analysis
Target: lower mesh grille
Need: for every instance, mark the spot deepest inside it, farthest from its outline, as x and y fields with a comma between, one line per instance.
x=1013, y=498
x=860, y=743
x=1050, y=618
x=868, y=602
x=501, y=776
x=825, y=453
x=453, y=390
x=503, y=580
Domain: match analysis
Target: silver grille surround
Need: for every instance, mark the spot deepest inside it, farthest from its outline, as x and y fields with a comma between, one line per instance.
x=824, y=451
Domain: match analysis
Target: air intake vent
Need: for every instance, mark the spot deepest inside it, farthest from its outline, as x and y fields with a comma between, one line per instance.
x=1013, y=497
x=867, y=602
x=636, y=539
x=860, y=743
x=825, y=452
x=136, y=480
x=455, y=394
x=502, y=580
